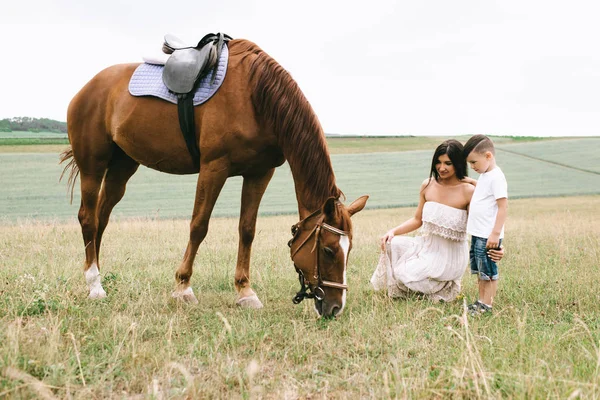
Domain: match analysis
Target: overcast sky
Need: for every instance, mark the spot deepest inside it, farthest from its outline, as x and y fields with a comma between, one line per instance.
x=437, y=67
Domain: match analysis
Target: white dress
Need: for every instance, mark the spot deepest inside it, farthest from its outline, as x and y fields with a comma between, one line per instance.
x=433, y=263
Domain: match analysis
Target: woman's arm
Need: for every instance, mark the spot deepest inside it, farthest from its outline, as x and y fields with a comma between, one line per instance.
x=409, y=225
x=496, y=255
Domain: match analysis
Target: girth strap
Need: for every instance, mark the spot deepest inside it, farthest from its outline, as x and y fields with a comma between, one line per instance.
x=185, y=110
x=181, y=75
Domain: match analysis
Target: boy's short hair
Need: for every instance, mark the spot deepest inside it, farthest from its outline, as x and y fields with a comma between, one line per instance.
x=479, y=144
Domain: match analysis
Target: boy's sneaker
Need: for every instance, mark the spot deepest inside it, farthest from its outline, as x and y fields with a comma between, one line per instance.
x=479, y=308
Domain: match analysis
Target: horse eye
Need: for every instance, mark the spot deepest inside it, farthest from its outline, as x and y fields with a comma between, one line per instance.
x=328, y=252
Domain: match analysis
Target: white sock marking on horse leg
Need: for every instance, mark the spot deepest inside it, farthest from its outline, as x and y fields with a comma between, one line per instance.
x=92, y=277
x=188, y=291
x=345, y=245
x=186, y=295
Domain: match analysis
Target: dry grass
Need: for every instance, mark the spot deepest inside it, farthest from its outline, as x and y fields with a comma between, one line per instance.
x=541, y=341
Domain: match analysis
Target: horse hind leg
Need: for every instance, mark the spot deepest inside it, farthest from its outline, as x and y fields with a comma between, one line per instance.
x=211, y=179
x=101, y=190
x=252, y=191
x=88, y=219
x=120, y=169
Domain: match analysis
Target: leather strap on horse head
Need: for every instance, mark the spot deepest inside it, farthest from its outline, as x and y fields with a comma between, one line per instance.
x=182, y=74
x=314, y=289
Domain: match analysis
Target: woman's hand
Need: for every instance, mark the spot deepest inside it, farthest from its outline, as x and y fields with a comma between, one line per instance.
x=496, y=255
x=389, y=235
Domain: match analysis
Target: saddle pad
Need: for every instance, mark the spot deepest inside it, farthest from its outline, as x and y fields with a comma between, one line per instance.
x=147, y=81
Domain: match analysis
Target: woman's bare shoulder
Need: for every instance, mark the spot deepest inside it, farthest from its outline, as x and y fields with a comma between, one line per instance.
x=426, y=183
x=467, y=189
x=467, y=186
x=469, y=180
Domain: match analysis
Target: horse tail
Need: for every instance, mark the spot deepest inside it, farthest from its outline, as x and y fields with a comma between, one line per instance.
x=72, y=166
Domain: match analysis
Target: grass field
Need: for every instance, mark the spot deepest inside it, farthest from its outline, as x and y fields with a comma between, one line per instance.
x=35, y=142
x=12, y=141
x=47, y=142
x=542, y=341
x=31, y=188
x=586, y=149
x=344, y=145
x=32, y=135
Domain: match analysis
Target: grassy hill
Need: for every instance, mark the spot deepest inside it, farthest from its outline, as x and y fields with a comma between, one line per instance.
x=540, y=342
x=533, y=169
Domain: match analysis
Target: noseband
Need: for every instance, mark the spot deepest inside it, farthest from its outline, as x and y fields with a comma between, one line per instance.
x=310, y=290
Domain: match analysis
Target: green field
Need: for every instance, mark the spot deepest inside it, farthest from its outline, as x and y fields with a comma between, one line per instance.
x=542, y=341
x=337, y=144
x=30, y=187
x=374, y=144
x=578, y=153
x=39, y=142
x=32, y=135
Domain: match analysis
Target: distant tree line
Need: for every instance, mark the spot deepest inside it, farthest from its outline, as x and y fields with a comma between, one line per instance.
x=32, y=125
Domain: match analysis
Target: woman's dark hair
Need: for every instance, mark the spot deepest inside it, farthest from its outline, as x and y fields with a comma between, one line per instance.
x=454, y=150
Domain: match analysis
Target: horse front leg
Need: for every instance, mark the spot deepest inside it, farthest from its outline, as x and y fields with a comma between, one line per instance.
x=252, y=191
x=211, y=179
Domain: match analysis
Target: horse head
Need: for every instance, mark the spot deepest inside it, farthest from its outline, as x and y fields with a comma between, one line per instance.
x=319, y=248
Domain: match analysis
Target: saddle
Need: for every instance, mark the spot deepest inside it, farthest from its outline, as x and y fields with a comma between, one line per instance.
x=182, y=73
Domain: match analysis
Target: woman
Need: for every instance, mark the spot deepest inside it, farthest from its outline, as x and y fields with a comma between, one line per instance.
x=434, y=263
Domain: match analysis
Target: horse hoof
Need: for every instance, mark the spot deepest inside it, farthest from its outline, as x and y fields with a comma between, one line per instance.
x=97, y=294
x=187, y=296
x=251, y=301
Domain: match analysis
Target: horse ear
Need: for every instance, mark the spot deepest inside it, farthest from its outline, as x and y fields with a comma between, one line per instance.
x=357, y=205
x=329, y=209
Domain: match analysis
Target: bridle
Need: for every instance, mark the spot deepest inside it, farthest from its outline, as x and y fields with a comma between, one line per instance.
x=309, y=290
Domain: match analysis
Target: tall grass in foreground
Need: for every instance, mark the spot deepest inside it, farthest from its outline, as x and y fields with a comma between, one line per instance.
x=542, y=340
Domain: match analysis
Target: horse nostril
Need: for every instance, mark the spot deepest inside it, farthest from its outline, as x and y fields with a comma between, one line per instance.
x=335, y=310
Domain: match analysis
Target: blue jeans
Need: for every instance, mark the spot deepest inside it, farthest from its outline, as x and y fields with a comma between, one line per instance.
x=481, y=263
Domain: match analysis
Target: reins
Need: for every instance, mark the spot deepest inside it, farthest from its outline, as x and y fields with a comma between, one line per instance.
x=306, y=291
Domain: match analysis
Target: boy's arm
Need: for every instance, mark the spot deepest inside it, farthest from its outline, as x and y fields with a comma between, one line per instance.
x=494, y=240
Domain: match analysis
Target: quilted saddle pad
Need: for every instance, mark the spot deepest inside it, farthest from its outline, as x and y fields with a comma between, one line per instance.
x=147, y=81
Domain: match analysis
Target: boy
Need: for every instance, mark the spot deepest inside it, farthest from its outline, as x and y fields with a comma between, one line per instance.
x=487, y=214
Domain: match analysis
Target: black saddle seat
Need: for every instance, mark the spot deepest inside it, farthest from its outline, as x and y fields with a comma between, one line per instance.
x=188, y=64
x=184, y=69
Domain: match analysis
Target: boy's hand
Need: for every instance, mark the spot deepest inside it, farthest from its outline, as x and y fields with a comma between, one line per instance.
x=493, y=241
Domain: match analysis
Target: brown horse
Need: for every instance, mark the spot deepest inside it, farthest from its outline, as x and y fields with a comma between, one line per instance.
x=257, y=119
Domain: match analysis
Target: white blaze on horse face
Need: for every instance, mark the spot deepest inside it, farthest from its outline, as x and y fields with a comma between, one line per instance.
x=92, y=277
x=345, y=245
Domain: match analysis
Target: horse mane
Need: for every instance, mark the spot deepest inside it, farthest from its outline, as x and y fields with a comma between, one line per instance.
x=278, y=101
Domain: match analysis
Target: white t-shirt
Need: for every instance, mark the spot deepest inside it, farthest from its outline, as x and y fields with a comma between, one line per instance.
x=491, y=186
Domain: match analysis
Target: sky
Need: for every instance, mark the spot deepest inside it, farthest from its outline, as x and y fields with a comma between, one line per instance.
x=420, y=67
